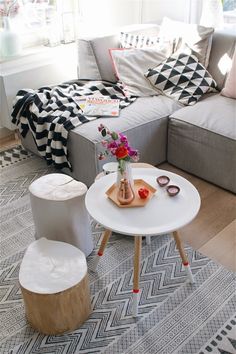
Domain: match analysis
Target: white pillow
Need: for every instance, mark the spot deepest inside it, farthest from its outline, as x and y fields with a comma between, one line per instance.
x=198, y=38
x=130, y=66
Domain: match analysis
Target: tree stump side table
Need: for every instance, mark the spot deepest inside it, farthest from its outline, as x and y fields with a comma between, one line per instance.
x=54, y=285
x=59, y=212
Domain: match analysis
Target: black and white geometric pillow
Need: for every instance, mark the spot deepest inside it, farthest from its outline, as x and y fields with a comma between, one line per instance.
x=182, y=78
x=129, y=40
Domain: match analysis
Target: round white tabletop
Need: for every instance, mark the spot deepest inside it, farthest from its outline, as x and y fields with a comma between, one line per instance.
x=162, y=214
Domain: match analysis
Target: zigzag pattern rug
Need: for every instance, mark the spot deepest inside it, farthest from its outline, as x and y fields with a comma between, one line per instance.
x=174, y=316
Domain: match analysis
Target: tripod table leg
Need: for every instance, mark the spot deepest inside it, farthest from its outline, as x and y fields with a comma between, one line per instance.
x=137, y=258
x=105, y=238
x=183, y=257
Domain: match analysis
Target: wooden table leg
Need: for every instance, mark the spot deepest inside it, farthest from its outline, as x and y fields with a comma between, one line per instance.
x=183, y=256
x=105, y=237
x=137, y=258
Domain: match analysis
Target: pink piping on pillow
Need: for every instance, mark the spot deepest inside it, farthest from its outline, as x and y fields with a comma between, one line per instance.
x=115, y=67
x=229, y=89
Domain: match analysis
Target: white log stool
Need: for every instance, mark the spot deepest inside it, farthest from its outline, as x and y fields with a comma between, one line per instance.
x=59, y=212
x=54, y=284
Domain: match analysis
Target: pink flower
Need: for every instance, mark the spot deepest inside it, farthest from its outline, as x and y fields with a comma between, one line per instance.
x=9, y=8
x=112, y=145
x=117, y=145
x=123, y=138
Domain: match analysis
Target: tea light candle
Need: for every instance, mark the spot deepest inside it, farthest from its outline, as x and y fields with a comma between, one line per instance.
x=163, y=180
x=173, y=190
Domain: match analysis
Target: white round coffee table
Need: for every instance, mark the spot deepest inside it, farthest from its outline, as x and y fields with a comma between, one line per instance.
x=162, y=214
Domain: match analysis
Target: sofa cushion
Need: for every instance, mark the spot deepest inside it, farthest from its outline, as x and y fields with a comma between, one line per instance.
x=223, y=45
x=214, y=113
x=130, y=66
x=182, y=78
x=197, y=38
x=229, y=89
x=202, y=152
x=94, y=62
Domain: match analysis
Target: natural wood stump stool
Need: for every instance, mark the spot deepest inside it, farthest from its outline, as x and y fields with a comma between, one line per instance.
x=54, y=284
x=59, y=212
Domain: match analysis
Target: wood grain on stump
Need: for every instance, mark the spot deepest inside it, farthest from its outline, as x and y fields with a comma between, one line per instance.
x=54, y=284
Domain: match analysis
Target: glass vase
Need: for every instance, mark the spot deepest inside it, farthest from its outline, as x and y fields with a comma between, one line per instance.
x=125, y=183
x=10, y=42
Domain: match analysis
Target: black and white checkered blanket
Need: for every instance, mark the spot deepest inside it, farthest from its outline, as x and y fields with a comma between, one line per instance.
x=51, y=112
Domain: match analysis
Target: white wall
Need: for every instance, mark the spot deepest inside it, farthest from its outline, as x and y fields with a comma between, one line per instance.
x=103, y=16
x=155, y=10
x=54, y=66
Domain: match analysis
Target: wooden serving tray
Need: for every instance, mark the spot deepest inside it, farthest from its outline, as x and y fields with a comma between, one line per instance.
x=137, y=202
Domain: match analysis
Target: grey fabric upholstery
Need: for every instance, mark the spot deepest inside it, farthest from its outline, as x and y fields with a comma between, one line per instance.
x=223, y=44
x=145, y=124
x=214, y=112
x=202, y=140
x=94, y=60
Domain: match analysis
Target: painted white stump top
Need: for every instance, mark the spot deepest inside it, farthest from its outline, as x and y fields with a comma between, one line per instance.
x=49, y=267
x=57, y=187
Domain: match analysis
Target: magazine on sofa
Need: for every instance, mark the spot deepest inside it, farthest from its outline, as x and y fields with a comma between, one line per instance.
x=100, y=106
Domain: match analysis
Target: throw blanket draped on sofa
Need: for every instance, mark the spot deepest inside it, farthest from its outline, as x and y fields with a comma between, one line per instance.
x=51, y=112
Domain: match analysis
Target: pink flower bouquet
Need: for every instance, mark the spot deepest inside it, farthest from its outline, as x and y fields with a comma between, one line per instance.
x=117, y=145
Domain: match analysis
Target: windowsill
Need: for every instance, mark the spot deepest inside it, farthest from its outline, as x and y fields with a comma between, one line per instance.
x=26, y=52
x=35, y=56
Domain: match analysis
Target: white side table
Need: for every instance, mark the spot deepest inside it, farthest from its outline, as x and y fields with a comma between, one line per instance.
x=163, y=214
x=59, y=211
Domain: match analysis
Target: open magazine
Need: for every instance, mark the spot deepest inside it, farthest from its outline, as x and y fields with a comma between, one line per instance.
x=100, y=106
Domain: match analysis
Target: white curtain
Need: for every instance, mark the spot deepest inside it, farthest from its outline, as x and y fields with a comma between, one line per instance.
x=212, y=14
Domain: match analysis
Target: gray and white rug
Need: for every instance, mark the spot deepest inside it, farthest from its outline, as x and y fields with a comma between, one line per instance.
x=174, y=316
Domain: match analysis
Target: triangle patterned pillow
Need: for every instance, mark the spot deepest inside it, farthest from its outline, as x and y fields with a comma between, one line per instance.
x=182, y=78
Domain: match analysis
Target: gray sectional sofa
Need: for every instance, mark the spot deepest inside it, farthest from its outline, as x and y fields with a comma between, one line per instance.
x=199, y=139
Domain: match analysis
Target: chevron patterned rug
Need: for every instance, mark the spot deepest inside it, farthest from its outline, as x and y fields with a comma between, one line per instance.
x=174, y=316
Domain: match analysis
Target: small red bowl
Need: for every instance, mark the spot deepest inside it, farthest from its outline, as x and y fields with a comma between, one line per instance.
x=172, y=190
x=163, y=181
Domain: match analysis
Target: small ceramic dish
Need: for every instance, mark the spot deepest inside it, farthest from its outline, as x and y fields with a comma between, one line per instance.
x=163, y=181
x=172, y=190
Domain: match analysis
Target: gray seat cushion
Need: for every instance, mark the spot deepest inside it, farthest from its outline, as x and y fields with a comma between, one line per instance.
x=202, y=140
x=214, y=113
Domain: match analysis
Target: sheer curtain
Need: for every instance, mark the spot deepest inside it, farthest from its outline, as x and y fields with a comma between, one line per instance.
x=212, y=14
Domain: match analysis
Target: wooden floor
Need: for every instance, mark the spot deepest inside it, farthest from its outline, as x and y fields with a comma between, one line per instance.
x=213, y=231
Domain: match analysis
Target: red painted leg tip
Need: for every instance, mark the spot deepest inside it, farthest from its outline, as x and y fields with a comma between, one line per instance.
x=185, y=264
x=100, y=254
x=135, y=291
